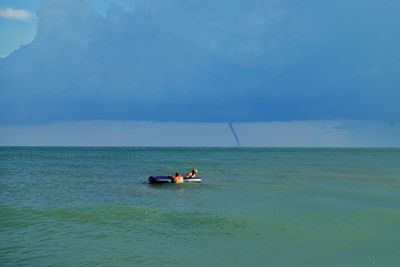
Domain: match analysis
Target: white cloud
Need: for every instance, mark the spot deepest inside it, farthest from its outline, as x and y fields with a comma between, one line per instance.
x=15, y=14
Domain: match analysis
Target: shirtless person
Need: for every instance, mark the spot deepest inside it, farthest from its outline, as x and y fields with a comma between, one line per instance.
x=177, y=179
x=191, y=174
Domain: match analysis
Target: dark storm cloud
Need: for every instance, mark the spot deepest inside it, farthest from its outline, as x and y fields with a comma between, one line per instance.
x=223, y=60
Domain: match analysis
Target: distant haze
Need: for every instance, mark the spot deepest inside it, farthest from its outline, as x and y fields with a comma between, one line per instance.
x=207, y=61
x=249, y=134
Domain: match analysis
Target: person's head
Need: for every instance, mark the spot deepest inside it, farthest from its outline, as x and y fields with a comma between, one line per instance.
x=195, y=171
x=177, y=174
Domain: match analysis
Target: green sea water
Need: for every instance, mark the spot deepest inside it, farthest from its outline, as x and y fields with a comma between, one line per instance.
x=255, y=207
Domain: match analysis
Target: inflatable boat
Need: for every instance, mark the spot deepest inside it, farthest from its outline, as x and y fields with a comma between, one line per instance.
x=168, y=179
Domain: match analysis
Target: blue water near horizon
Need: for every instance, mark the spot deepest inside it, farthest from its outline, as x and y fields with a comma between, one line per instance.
x=92, y=206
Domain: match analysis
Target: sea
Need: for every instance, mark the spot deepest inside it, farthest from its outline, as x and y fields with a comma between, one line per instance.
x=93, y=206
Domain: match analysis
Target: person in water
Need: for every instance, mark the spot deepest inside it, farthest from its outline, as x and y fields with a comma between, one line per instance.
x=191, y=174
x=177, y=179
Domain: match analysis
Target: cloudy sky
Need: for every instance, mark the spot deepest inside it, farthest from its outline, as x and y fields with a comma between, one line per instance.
x=199, y=61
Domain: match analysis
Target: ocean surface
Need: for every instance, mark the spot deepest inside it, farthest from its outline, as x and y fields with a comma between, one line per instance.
x=256, y=207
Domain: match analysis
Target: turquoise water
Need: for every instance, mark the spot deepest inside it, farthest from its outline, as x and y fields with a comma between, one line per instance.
x=255, y=207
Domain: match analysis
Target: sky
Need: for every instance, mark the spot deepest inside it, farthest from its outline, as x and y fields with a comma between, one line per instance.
x=247, y=134
x=18, y=28
x=199, y=61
